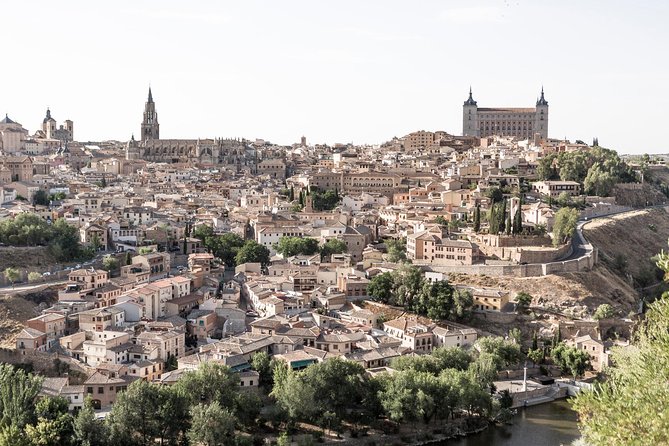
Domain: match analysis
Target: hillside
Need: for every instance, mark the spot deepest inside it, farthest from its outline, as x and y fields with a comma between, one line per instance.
x=626, y=243
x=17, y=308
x=28, y=257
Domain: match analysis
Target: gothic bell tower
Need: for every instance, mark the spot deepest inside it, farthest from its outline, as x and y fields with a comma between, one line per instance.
x=150, y=126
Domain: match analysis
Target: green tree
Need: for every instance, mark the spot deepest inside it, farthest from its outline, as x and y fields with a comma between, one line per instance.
x=18, y=391
x=515, y=335
x=54, y=425
x=41, y=198
x=110, y=263
x=292, y=246
x=128, y=258
x=408, y=283
x=477, y=218
x=212, y=425
x=564, y=225
x=494, y=194
x=440, y=220
x=291, y=196
x=517, y=222
x=225, y=247
x=88, y=431
x=630, y=408
x=452, y=358
x=325, y=201
x=294, y=394
x=253, y=252
x=523, y=301
x=598, y=182
x=436, y=300
x=210, y=382
x=502, y=216
x=604, y=311
x=506, y=352
x=536, y=355
x=397, y=250
x=34, y=276
x=12, y=275
x=333, y=246
x=133, y=416
x=262, y=363
x=564, y=199
x=571, y=359
x=380, y=288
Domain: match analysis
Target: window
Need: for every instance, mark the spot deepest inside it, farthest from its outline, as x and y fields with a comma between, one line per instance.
x=101, y=390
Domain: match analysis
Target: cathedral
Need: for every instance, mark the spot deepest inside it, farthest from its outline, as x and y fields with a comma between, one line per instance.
x=521, y=123
x=150, y=147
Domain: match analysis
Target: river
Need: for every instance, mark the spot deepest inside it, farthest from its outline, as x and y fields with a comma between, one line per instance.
x=551, y=424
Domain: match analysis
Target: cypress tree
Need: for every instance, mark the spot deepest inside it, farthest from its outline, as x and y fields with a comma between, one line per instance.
x=535, y=341
x=508, y=224
x=502, y=217
x=291, y=196
x=477, y=218
x=517, y=222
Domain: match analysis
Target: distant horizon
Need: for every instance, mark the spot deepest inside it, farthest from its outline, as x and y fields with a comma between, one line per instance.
x=348, y=72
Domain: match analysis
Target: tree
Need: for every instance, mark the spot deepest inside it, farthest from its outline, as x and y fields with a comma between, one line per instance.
x=133, y=416
x=88, y=431
x=109, y=263
x=225, y=247
x=505, y=399
x=253, y=252
x=477, y=218
x=294, y=394
x=523, y=301
x=18, y=391
x=564, y=225
x=396, y=249
x=598, y=182
x=452, y=358
x=54, y=423
x=630, y=407
x=41, y=198
x=515, y=335
x=604, y=311
x=333, y=246
x=502, y=216
x=536, y=355
x=292, y=246
x=128, y=258
x=463, y=302
x=408, y=283
x=325, y=201
x=34, y=276
x=494, y=194
x=505, y=352
x=210, y=382
x=212, y=425
x=517, y=222
x=440, y=220
x=262, y=363
x=12, y=275
x=436, y=300
x=564, y=199
x=95, y=242
x=380, y=288
x=291, y=196
x=573, y=359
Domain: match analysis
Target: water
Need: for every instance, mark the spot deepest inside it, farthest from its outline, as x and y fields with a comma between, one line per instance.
x=550, y=424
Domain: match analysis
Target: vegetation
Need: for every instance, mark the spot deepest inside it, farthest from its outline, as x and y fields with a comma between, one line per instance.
x=253, y=252
x=333, y=246
x=397, y=250
x=325, y=201
x=604, y=311
x=477, y=218
x=631, y=407
x=110, y=263
x=564, y=225
x=34, y=276
x=293, y=246
x=406, y=287
x=12, y=275
x=598, y=169
x=571, y=359
x=31, y=230
x=523, y=301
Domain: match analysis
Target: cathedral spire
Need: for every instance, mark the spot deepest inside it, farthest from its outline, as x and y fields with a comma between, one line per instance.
x=150, y=95
x=542, y=100
x=470, y=100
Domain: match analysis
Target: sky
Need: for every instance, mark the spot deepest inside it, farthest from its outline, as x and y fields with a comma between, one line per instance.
x=340, y=71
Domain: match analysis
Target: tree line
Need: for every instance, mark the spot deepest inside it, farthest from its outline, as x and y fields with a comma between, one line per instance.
x=31, y=230
x=231, y=248
x=407, y=287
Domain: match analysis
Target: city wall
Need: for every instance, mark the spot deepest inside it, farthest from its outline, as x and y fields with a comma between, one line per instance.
x=584, y=263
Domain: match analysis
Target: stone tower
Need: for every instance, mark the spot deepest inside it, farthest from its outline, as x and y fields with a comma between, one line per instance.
x=541, y=117
x=150, y=126
x=470, y=117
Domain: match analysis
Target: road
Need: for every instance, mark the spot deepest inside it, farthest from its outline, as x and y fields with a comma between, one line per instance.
x=578, y=242
x=32, y=286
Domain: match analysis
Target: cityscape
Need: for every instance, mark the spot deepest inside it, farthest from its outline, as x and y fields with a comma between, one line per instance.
x=478, y=279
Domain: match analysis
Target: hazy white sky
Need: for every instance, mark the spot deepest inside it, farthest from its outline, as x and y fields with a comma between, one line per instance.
x=339, y=71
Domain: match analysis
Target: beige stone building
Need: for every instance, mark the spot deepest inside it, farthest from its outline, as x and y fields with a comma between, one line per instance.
x=521, y=123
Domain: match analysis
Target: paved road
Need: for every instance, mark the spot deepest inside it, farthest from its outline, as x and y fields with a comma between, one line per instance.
x=32, y=286
x=578, y=242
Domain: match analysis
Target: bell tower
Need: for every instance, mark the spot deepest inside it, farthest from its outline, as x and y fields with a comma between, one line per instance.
x=470, y=117
x=150, y=126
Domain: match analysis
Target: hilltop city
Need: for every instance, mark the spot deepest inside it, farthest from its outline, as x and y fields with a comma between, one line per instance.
x=470, y=258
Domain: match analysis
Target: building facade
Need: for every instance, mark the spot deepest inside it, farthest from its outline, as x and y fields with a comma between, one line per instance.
x=521, y=123
x=200, y=151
